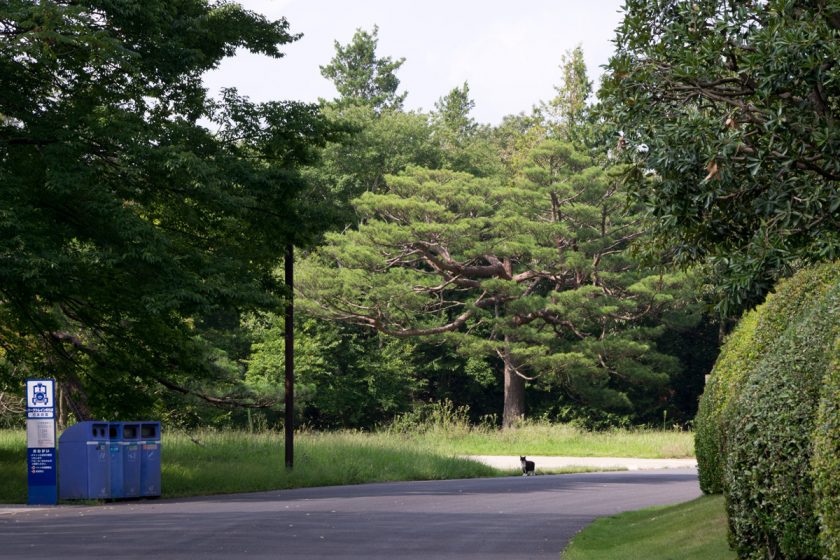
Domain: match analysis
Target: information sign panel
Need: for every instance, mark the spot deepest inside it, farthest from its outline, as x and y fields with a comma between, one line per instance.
x=40, y=441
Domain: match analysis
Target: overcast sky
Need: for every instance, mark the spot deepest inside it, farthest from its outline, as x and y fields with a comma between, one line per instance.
x=509, y=52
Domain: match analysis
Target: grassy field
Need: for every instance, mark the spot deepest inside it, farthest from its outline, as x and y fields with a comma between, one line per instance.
x=559, y=440
x=224, y=462
x=694, y=530
x=12, y=466
x=240, y=462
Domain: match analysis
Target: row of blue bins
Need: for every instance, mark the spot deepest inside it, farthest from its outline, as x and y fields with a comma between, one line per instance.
x=109, y=461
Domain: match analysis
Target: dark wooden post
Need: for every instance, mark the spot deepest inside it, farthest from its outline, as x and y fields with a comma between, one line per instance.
x=290, y=358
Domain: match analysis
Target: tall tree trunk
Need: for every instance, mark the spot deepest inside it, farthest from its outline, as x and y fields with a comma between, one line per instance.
x=514, y=408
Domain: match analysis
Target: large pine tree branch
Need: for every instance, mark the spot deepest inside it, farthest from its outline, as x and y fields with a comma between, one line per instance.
x=440, y=260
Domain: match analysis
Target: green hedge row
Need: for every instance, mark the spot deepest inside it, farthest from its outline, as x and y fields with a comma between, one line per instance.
x=767, y=431
x=756, y=334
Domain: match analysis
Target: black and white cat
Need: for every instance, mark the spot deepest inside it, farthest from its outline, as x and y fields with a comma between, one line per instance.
x=528, y=467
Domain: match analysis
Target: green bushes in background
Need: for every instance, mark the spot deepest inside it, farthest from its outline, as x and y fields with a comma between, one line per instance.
x=768, y=423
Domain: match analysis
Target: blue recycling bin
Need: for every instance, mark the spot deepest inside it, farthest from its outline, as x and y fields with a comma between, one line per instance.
x=128, y=434
x=115, y=457
x=124, y=459
x=84, y=471
x=150, y=459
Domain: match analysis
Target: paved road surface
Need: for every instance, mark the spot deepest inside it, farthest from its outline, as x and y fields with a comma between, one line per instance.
x=496, y=518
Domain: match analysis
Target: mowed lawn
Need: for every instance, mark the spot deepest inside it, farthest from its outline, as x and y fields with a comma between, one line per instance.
x=694, y=530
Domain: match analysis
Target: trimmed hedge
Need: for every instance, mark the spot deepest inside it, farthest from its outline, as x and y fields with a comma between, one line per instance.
x=756, y=334
x=768, y=474
x=826, y=460
x=735, y=361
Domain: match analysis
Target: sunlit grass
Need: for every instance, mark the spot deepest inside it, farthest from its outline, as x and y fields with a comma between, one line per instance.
x=218, y=462
x=12, y=466
x=557, y=440
x=241, y=462
x=214, y=462
x=694, y=530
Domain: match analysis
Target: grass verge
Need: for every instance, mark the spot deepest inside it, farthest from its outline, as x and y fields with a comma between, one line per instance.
x=230, y=461
x=554, y=440
x=226, y=462
x=240, y=462
x=694, y=530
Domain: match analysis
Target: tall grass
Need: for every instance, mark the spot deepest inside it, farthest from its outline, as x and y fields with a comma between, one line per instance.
x=422, y=446
x=447, y=429
x=213, y=462
x=564, y=440
x=12, y=466
x=242, y=462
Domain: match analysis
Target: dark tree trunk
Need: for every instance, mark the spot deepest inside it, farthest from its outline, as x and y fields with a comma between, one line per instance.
x=514, y=408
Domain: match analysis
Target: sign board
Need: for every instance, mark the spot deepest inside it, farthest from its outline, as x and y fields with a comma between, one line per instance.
x=40, y=398
x=40, y=441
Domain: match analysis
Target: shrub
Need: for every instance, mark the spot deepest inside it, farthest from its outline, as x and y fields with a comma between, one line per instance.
x=755, y=336
x=826, y=460
x=735, y=360
x=769, y=428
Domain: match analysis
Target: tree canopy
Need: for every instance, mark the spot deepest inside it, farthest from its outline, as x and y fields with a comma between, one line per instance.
x=732, y=107
x=123, y=219
x=361, y=77
x=532, y=274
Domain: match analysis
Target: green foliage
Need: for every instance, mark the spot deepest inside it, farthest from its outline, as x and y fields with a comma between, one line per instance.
x=568, y=111
x=737, y=359
x=756, y=334
x=464, y=145
x=515, y=137
x=452, y=111
x=532, y=274
x=769, y=483
x=754, y=426
x=826, y=458
x=733, y=106
x=694, y=339
x=123, y=221
x=378, y=144
x=13, y=465
x=363, y=78
x=441, y=418
x=346, y=377
x=444, y=427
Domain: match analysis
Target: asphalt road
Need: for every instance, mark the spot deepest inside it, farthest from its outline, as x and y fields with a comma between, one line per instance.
x=496, y=518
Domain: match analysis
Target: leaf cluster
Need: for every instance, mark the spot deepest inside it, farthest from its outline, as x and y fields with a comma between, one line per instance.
x=123, y=220
x=733, y=108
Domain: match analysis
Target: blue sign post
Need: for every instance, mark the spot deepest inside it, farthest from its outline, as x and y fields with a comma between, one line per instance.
x=40, y=441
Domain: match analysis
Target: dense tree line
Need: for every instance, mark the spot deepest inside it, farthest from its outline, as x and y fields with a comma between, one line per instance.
x=141, y=244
